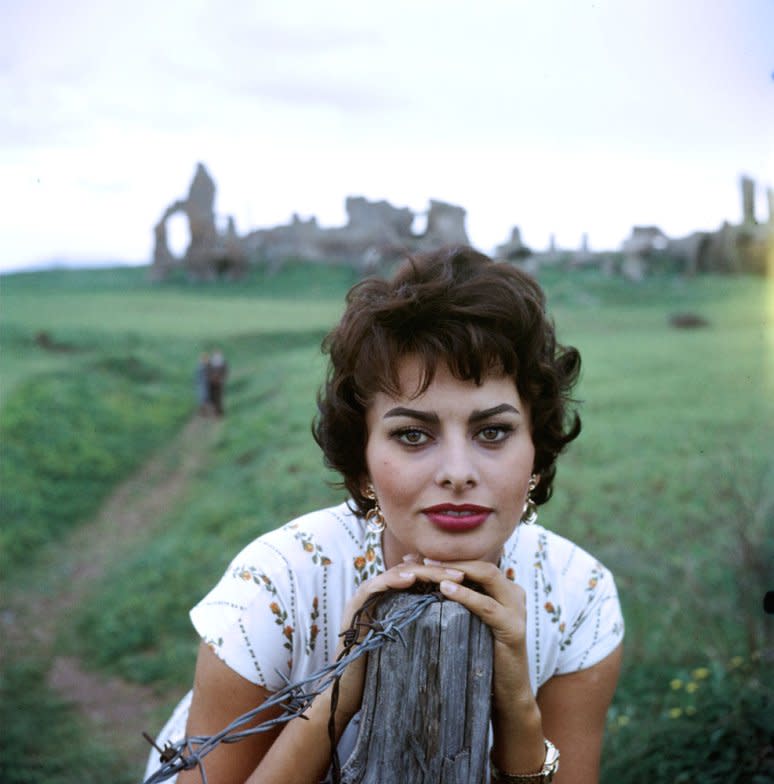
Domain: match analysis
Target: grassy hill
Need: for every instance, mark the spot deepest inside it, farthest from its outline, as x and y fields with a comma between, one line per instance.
x=671, y=483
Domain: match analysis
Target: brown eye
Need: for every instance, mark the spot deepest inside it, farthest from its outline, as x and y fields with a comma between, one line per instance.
x=493, y=433
x=412, y=437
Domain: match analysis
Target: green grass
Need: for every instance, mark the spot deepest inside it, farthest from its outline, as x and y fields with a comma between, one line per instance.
x=264, y=470
x=68, y=437
x=43, y=738
x=710, y=723
x=671, y=483
x=77, y=309
x=676, y=463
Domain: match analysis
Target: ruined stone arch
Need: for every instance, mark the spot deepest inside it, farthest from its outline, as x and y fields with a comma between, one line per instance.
x=210, y=254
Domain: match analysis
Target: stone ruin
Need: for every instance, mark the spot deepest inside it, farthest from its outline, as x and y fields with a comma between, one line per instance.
x=733, y=248
x=514, y=249
x=747, y=247
x=210, y=254
x=375, y=233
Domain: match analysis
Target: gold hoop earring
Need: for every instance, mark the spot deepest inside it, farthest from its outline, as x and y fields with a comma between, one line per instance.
x=529, y=515
x=374, y=517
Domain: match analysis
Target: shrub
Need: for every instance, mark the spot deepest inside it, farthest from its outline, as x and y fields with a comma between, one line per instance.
x=711, y=723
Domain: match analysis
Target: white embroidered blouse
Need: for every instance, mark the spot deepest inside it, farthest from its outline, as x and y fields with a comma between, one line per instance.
x=278, y=607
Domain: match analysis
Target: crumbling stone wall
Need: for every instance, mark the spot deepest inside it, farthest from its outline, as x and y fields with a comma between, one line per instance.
x=746, y=247
x=733, y=248
x=210, y=254
x=375, y=232
x=514, y=249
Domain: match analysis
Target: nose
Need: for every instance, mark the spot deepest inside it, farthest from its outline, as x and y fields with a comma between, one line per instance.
x=456, y=467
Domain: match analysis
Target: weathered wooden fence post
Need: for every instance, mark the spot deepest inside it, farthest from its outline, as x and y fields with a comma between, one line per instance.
x=425, y=713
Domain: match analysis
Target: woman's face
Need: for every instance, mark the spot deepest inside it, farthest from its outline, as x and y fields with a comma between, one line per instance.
x=451, y=466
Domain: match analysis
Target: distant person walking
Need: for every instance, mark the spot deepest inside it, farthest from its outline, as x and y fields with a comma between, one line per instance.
x=216, y=378
x=202, y=384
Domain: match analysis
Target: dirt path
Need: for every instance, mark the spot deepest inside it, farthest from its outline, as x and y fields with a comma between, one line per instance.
x=118, y=709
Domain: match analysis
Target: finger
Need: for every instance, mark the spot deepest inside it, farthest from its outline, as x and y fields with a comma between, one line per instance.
x=432, y=572
x=408, y=571
x=507, y=626
x=399, y=578
x=491, y=579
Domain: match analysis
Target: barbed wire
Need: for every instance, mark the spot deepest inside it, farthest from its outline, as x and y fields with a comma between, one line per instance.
x=366, y=633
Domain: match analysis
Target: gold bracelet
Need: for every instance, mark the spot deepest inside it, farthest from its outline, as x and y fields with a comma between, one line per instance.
x=544, y=776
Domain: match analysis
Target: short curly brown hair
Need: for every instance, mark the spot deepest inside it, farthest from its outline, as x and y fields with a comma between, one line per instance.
x=454, y=306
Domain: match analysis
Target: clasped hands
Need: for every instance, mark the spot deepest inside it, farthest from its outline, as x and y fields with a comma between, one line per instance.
x=497, y=601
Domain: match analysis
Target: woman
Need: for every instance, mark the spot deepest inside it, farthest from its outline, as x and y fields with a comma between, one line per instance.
x=445, y=408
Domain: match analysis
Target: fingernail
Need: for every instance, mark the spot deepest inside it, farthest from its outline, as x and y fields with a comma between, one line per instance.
x=431, y=562
x=406, y=575
x=410, y=558
x=456, y=573
x=447, y=586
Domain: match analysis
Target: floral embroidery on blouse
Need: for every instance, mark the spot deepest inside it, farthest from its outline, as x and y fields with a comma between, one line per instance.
x=540, y=556
x=312, y=547
x=212, y=643
x=369, y=563
x=314, y=629
x=597, y=574
x=554, y=611
x=277, y=608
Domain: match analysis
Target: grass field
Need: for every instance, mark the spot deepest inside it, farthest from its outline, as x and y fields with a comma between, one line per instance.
x=671, y=483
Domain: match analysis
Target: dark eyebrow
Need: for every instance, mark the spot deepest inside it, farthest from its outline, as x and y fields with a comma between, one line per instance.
x=412, y=413
x=478, y=416
x=432, y=419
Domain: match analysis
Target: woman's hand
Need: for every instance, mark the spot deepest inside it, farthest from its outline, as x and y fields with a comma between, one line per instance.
x=399, y=578
x=501, y=605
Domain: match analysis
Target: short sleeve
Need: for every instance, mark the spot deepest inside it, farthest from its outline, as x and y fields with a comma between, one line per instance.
x=247, y=619
x=596, y=626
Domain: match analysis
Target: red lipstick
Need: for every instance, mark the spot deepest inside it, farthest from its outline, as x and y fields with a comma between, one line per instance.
x=457, y=518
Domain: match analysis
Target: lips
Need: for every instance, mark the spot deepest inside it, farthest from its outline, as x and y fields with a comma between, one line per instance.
x=457, y=517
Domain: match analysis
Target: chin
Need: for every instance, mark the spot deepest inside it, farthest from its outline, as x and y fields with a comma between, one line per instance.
x=461, y=552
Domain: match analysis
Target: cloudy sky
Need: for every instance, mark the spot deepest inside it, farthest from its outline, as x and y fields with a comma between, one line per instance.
x=560, y=116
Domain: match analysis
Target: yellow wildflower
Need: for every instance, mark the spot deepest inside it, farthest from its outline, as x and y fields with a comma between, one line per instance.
x=690, y=710
x=675, y=684
x=737, y=661
x=700, y=673
x=691, y=687
x=623, y=721
x=675, y=713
